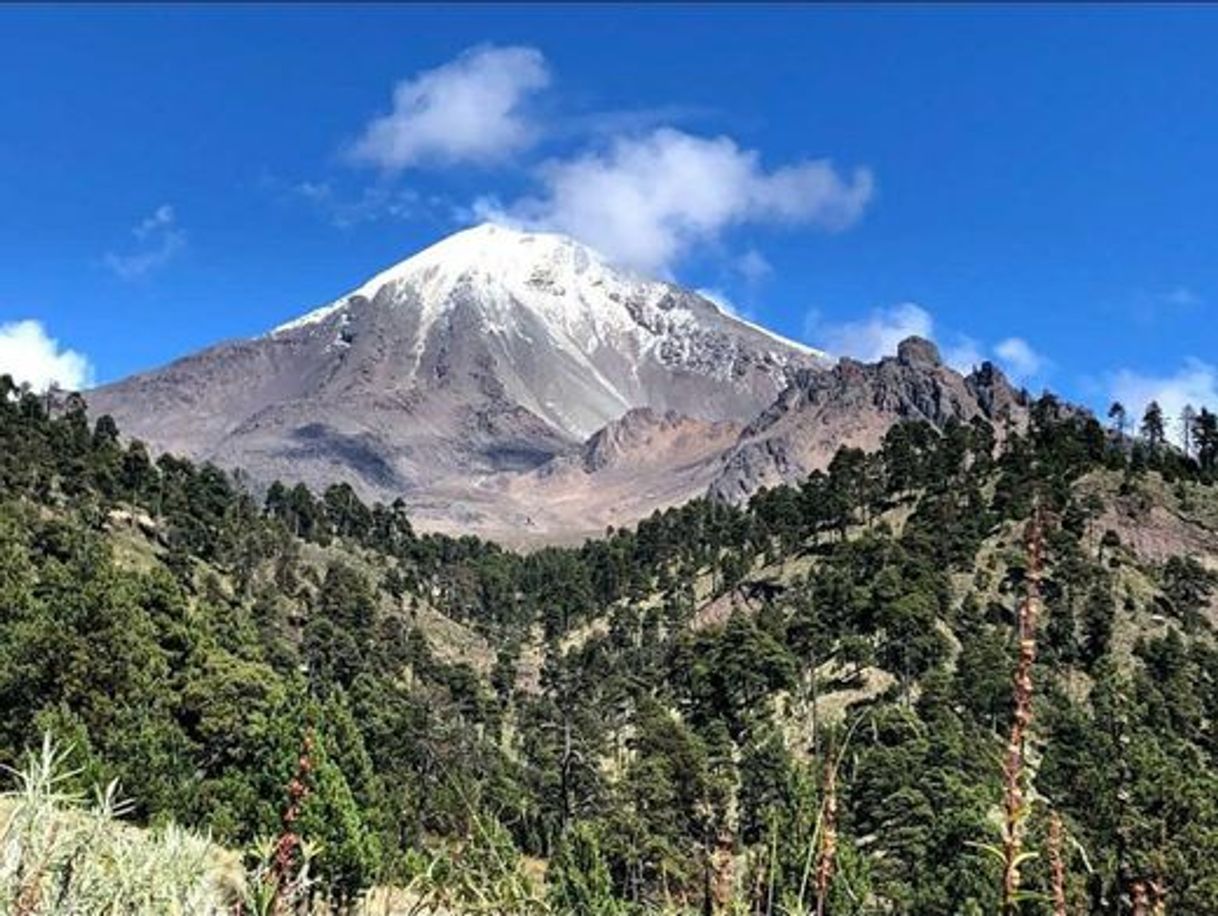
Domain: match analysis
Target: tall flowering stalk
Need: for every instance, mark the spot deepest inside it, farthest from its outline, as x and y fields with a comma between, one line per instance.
x=828, y=843
x=289, y=842
x=1014, y=803
x=1140, y=899
x=1158, y=896
x=1057, y=865
x=821, y=859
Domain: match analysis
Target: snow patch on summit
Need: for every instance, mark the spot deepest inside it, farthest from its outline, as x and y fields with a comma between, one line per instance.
x=582, y=301
x=552, y=275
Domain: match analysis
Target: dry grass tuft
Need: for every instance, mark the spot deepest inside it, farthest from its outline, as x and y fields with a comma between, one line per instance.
x=1015, y=806
x=59, y=856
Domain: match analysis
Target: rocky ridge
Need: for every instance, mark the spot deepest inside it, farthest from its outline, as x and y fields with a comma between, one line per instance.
x=854, y=404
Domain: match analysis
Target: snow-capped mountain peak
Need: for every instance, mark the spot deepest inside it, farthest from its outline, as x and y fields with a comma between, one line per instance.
x=563, y=333
x=491, y=260
x=489, y=354
x=573, y=289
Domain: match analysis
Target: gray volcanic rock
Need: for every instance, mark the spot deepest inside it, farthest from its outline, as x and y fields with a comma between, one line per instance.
x=644, y=461
x=918, y=353
x=493, y=352
x=854, y=404
x=633, y=429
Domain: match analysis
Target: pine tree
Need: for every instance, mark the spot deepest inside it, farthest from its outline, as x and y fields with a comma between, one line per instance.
x=349, y=855
x=578, y=876
x=1153, y=426
x=1205, y=439
x=1188, y=422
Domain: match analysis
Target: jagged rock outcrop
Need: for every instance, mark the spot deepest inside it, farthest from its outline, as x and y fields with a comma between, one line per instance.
x=854, y=404
x=635, y=435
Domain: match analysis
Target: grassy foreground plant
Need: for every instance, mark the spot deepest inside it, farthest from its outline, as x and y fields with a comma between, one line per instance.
x=1015, y=809
x=61, y=856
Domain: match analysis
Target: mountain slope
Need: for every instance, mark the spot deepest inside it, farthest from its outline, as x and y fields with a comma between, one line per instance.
x=491, y=351
x=637, y=464
x=701, y=676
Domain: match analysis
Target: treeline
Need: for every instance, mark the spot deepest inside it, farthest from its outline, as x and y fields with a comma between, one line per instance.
x=655, y=759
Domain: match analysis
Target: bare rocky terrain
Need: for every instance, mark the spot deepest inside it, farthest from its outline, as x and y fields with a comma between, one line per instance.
x=628, y=469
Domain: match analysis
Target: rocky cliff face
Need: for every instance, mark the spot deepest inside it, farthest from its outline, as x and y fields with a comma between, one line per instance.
x=854, y=404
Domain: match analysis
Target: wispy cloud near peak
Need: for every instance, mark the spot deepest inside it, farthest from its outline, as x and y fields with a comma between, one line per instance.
x=470, y=110
x=158, y=238
x=645, y=201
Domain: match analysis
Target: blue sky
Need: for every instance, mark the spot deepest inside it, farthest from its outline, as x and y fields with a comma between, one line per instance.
x=1036, y=185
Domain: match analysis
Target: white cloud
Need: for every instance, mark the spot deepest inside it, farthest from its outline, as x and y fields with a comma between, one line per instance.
x=471, y=109
x=316, y=191
x=161, y=218
x=645, y=201
x=1194, y=383
x=964, y=355
x=1019, y=358
x=753, y=266
x=158, y=239
x=30, y=356
x=877, y=335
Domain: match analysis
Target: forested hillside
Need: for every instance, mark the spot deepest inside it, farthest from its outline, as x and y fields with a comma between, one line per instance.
x=802, y=705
